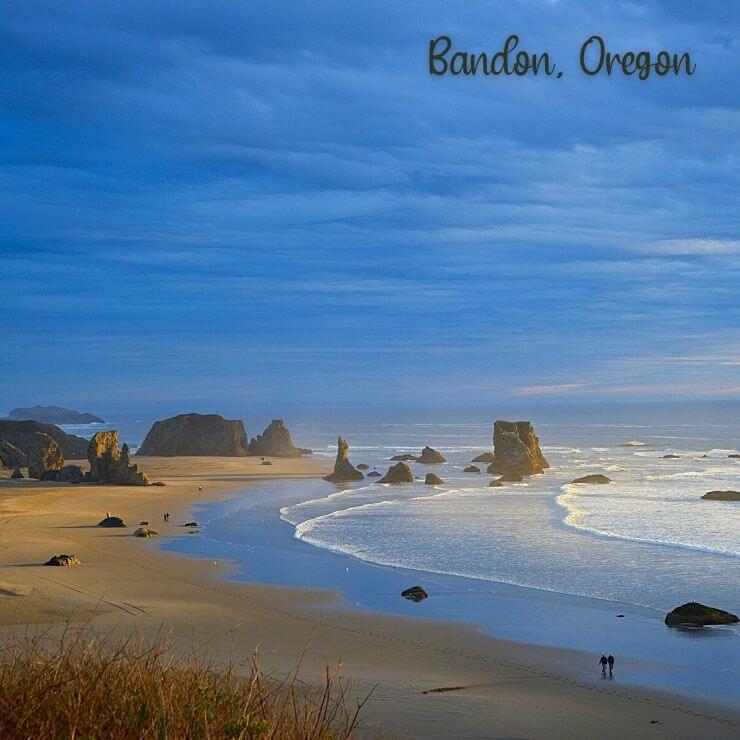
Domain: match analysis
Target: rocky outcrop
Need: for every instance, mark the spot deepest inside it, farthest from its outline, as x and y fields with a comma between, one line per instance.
x=511, y=478
x=486, y=457
x=403, y=458
x=516, y=449
x=671, y=457
x=415, y=593
x=734, y=456
x=596, y=478
x=112, y=521
x=722, y=496
x=496, y=483
x=109, y=464
x=19, y=433
x=432, y=479
x=198, y=435
x=68, y=474
x=362, y=466
x=276, y=441
x=694, y=614
x=53, y=415
x=374, y=474
x=430, y=456
x=44, y=455
x=16, y=473
x=344, y=471
x=398, y=473
x=145, y=532
x=472, y=469
x=11, y=456
x=64, y=560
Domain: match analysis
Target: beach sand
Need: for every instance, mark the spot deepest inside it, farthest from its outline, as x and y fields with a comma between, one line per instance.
x=429, y=679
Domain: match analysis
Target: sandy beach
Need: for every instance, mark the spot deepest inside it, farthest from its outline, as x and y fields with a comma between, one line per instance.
x=429, y=678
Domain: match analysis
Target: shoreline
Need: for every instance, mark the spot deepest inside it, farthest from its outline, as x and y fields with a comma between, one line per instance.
x=477, y=682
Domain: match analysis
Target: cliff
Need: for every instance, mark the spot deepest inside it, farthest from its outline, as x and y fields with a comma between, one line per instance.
x=20, y=434
x=196, y=434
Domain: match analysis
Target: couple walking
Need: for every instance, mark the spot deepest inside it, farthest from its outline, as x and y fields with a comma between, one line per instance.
x=604, y=662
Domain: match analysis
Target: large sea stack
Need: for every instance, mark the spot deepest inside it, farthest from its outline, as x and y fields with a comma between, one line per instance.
x=343, y=469
x=20, y=434
x=198, y=435
x=275, y=441
x=109, y=464
x=516, y=449
x=44, y=456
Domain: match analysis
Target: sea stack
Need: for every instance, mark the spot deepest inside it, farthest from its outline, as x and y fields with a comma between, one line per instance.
x=200, y=435
x=109, y=464
x=430, y=456
x=344, y=471
x=516, y=449
x=398, y=473
x=44, y=455
x=275, y=441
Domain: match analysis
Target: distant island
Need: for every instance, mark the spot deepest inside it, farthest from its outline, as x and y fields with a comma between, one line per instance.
x=53, y=415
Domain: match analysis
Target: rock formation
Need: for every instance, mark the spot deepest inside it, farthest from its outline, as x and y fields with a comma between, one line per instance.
x=694, y=614
x=16, y=473
x=722, y=496
x=486, y=457
x=595, y=478
x=198, y=435
x=671, y=457
x=112, y=521
x=511, y=478
x=516, y=449
x=472, y=469
x=11, y=456
x=430, y=457
x=343, y=469
x=415, y=593
x=362, y=466
x=403, y=458
x=374, y=474
x=109, y=464
x=53, y=415
x=275, y=441
x=44, y=455
x=734, y=456
x=64, y=560
x=19, y=433
x=433, y=479
x=145, y=532
x=398, y=473
x=68, y=474
x=496, y=483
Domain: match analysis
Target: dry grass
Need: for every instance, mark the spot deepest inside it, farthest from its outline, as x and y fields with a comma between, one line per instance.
x=83, y=687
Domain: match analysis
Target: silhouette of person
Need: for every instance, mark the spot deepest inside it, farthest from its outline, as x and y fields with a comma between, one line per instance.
x=610, y=660
x=603, y=662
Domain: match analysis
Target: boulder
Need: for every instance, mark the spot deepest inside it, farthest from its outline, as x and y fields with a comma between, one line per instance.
x=486, y=457
x=64, y=560
x=694, y=614
x=16, y=473
x=516, y=449
x=403, y=458
x=11, y=456
x=54, y=415
x=343, y=468
x=415, y=593
x=362, y=466
x=471, y=469
x=398, y=473
x=722, y=496
x=595, y=478
x=496, y=483
x=734, y=456
x=511, y=478
x=671, y=457
x=433, y=479
x=374, y=474
x=198, y=435
x=112, y=521
x=145, y=532
x=430, y=456
x=44, y=455
x=276, y=441
x=266, y=462
x=109, y=464
x=20, y=433
x=68, y=474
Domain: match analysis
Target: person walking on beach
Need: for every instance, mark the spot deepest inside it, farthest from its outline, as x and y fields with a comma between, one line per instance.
x=610, y=660
x=603, y=660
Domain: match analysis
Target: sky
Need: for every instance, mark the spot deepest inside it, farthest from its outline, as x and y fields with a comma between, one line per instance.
x=216, y=204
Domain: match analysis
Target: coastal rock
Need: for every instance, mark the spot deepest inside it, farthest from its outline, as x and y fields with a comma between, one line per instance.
x=734, y=456
x=415, y=593
x=275, y=441
x=511, y=478
x=198, y=435
x=11, y=456
x=496, y=483
x=516, y=449
x=433, y=479
x=112, y=521
x=722, y=496
x=362, y=466
x=595, y=478
x=343, y=468
x=16, y=473
x=486, y=457
x=403, y=458
x=109, y=464
x=64, y=560
x=43, y=455
x=471, y=469
x=145, y=532
x=374, y=474
x=671, y=457
x=398, y=473
x=70, y=474
x=430, y=456
x=53, y=415
x=632, y=443
x=694, y=614
x=20, y=434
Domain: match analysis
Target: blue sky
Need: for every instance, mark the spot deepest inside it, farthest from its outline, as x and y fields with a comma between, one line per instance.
x=232, y=203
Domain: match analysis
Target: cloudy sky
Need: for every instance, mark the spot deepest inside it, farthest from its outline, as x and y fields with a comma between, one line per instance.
x=218, y=203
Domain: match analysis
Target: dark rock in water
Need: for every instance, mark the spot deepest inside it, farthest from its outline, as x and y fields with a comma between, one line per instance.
x=11, y=456
x=362, y=466
x=109, y=464
x=19, y=433
x=471, y=469
x=595, y=478
x=433, y=479
x=275, y=441
x=145, y=532
x=64, y=560
x=343, y=468
x=511, y=478
x=373, y=474
x=112, y=521
x=197, y=435
x=486, y=457
x=190, y=524
x=53, y=415
x=398, y=473
x=403, y=458
x=702, y=456
x=733, y=455
x=722, y=496
x=496, y=483
x=671, y=457
x=694, y=614
x=44, y=455
x=415, y=593
x=16, y=473
x=516, y=449
x=430, y=457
